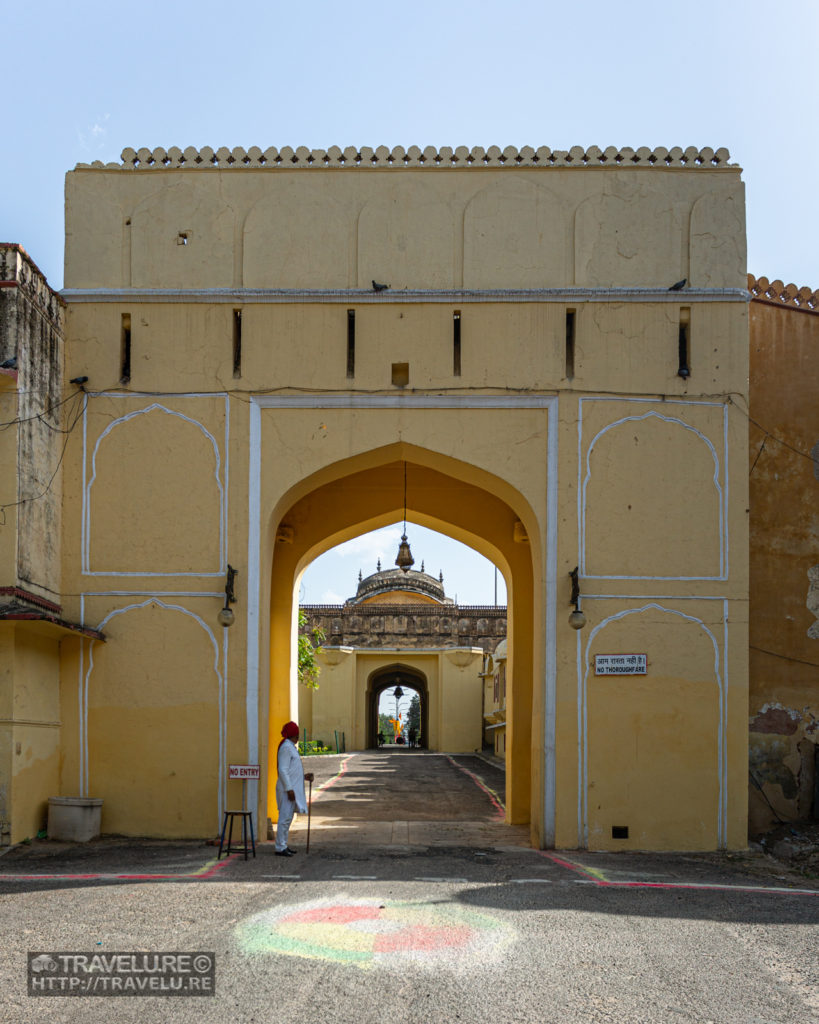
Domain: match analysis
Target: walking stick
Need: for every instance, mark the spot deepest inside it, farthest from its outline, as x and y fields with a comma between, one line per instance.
x=309, y=809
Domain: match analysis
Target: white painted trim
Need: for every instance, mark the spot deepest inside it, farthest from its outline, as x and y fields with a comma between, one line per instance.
x=152, y=593
x=362, y=297
x=549, y=402
x=80, y=711
x=724, y=836
x=583, y=482
x=403, y=400
x=581, y=731
x=221, y=690
x=254, y=505
x=88, y=484
x=722, y=703
x=550, y=681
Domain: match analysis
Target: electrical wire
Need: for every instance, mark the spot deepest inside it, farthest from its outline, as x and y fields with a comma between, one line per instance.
x=43, y=493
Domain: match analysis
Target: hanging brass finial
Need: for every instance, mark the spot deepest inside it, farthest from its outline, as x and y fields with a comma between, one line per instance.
x=404, y=560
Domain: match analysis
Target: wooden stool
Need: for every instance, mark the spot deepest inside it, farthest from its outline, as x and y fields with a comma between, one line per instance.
x=247, y=822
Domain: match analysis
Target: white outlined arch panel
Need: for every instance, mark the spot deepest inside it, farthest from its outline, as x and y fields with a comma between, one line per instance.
x=152, y=714
x=155, y=491
x=652, y=749
x=652, y=490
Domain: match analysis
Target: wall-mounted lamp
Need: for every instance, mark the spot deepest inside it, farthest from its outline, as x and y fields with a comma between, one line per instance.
x=226, y=616
x=577, y=620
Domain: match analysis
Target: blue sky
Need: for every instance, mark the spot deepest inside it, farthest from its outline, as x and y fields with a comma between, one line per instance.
x=468, y=576
x=84, y=80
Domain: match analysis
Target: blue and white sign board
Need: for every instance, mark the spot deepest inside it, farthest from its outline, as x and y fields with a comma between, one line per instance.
x=620, y=664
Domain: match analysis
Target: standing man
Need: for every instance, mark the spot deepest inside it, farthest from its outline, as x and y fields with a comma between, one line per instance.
x=289, y=787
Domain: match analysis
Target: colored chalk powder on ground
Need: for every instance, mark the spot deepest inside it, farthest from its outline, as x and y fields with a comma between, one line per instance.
x=371, y=932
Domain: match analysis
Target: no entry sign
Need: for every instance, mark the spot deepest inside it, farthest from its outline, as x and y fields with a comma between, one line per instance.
x=243, y=771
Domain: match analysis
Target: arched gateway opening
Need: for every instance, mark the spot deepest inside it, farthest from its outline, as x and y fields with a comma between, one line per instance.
x=385, y=680
x=468, y=504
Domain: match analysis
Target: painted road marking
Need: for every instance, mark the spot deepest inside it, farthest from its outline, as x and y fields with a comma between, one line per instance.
x=594, y=876
x=356, y=878
x=288, y=877
x=495, y=798
x=527, y=881
x=432, y=878
x=208, y=870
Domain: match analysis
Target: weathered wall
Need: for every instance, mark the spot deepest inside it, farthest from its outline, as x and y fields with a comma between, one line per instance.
x=616, y=463
x=410, y=624
x=784, y=610
x=31, y=331
x=521, y=219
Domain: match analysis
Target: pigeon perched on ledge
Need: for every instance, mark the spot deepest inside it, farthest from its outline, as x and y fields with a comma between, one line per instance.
x=379, y=287
x=678, y=287
x=9, y=364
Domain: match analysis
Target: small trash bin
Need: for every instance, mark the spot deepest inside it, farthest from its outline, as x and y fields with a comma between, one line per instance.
x=74, y=819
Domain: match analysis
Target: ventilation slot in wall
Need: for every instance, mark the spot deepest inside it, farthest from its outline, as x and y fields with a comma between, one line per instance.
x=237, y=343
x=619, y=831
x=351, y=343
x=684, y=343
x=400, y=374
x=125, y=348
x=456, y=343
x=570, y=328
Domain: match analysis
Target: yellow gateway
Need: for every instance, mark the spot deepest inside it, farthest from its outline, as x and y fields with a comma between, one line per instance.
x=550, y=347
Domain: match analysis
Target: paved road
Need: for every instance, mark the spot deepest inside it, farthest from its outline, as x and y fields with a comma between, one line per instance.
x=379, y=926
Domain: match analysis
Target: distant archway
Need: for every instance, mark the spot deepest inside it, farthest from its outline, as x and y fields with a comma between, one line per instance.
x=385, y=679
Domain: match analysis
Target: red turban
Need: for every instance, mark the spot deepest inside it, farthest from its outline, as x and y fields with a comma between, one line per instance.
x=290, y=731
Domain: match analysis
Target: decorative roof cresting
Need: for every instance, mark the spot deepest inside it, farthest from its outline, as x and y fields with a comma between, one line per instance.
x=777, y=293
x=383, y=156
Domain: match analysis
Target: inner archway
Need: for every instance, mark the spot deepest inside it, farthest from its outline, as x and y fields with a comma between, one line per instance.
x=386, y=679
x=454, y=498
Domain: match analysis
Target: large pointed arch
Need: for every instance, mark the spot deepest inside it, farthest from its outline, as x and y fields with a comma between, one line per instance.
x=364, y=492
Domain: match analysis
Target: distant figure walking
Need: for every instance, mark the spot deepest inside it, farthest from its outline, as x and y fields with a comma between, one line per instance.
x=381, y=739
x=290, y=796
x=413, y=736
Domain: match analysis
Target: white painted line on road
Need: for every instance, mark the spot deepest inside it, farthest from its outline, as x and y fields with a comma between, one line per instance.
x=527, y=881
x=282, y=876
x=425, y=878
x=355, y=878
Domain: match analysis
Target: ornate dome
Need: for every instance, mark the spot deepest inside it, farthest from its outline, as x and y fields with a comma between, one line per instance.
x=397, y=586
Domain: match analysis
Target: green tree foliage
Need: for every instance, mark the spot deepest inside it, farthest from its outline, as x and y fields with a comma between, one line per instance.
x=385, y=727
x=310, y=641
x=414, y=715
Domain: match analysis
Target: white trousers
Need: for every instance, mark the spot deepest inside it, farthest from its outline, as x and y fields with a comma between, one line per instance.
x=287, y=808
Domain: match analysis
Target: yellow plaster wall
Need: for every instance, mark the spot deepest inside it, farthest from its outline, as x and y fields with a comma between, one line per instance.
x=480, y=475
x=409, y=227
x=31, y=745
x=153, y=722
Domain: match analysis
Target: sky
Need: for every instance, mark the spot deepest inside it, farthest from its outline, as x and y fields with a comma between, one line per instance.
x=85, y=80
x=468, y=576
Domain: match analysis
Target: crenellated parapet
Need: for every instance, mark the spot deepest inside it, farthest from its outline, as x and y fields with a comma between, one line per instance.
x=288, y=158
x=776, y=293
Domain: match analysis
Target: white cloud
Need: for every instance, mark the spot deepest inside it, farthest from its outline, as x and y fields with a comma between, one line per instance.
x=369, y=547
